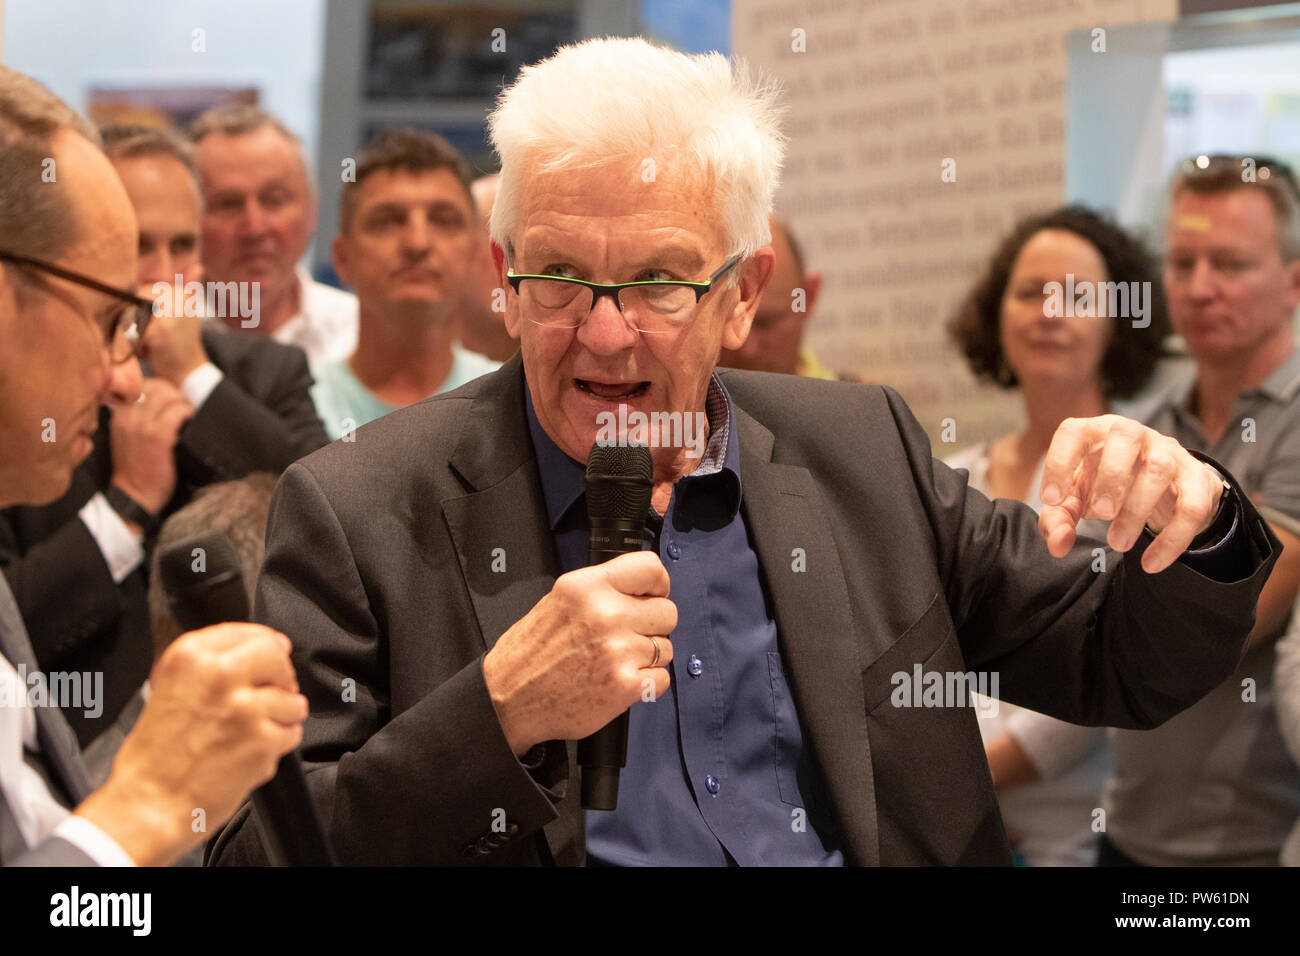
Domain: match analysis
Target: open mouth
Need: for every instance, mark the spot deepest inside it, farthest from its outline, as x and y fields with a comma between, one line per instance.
x=611, y=391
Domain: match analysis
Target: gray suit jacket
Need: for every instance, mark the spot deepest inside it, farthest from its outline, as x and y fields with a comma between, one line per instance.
x=59, y=752
x=380, y=567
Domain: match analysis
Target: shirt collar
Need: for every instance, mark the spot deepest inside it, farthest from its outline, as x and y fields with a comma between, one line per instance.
x=564, y=481
x=1281, y=386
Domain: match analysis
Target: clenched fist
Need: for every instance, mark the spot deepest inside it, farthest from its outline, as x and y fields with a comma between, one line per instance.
x=223, y=708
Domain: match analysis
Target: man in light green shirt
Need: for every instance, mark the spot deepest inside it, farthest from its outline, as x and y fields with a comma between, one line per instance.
x=405, y=245
x=344, y=404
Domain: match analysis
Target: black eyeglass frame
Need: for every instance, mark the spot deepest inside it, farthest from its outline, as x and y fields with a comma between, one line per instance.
x=599, y=290
x=144, y=308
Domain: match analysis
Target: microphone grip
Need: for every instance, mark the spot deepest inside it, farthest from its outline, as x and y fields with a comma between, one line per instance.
x=602, y=756
x=284, y=798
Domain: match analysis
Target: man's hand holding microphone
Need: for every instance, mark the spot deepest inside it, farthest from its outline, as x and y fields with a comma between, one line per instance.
x=578, y=659
x=223, y=708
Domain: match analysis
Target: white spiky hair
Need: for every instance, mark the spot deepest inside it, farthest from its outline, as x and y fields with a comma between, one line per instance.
x=612, y=100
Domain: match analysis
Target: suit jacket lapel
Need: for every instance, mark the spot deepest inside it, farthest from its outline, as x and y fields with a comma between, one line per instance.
x=504, y=509
x=58, y=743
x=783, y=509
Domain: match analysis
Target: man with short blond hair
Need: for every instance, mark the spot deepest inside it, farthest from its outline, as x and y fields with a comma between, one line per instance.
x=259, y=216
x=1215, y=786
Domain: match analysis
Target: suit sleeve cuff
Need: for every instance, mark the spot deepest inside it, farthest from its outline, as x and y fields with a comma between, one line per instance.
x=198, y=385
x=92, y=841
x=1222, y=551
x=123, y=550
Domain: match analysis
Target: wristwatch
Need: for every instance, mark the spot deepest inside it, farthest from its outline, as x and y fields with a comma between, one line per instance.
x=130, y=509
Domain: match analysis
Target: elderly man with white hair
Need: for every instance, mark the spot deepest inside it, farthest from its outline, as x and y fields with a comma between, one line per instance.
x=806, y=563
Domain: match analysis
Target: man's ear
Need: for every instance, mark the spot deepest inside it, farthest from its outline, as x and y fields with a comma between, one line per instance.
x=339, y=255
x=755, y=273
x=512, y=301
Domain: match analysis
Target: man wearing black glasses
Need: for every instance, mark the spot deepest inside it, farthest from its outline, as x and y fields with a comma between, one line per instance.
x=453, y=642
x=70, y=332
x=214, y=406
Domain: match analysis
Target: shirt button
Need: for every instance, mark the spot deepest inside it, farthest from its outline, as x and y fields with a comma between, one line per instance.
x=694, y=666
x=711, y=784
x=674, y=550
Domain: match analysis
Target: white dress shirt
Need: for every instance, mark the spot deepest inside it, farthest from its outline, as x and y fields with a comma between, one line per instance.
x=326, y=326
x=35, y=811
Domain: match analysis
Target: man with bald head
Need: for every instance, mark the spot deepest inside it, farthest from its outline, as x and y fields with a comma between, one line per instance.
x=225, y=705
x=482, y=315
x=775, y=341
x=259, y=216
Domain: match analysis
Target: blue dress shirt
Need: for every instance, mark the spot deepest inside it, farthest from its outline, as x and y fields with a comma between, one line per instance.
x=717, y=769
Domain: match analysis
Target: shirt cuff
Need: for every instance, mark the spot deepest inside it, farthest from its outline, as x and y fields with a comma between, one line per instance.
x=92, y=841
x=123, y=550
x=198, y=385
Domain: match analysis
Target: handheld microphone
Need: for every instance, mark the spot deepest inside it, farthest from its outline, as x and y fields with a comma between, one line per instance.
x=211, y=591
x=620, y=480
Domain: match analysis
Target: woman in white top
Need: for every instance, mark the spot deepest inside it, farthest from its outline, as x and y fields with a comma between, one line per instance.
x=1033, y=323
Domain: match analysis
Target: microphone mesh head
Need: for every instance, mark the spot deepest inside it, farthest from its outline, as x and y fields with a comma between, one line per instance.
x=193, y=560
x=620, y=480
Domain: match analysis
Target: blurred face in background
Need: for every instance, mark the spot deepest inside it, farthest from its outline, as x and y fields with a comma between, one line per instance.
x=777, y=330
x=259, y=210
x=409, y=244
x=1043, y=350
x=1229, y=290
x=483, y=327
x=169, y=209
x=54, y=365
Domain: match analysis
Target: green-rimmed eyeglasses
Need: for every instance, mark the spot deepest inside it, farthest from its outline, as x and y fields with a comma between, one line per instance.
x=659, y=306
x=125, y=333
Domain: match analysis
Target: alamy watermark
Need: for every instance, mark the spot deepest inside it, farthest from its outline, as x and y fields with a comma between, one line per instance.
x=1117, y=300
x=219, y=300
x=133, y=911
x=688, y=430
x=67, y=690
x=922, y=688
